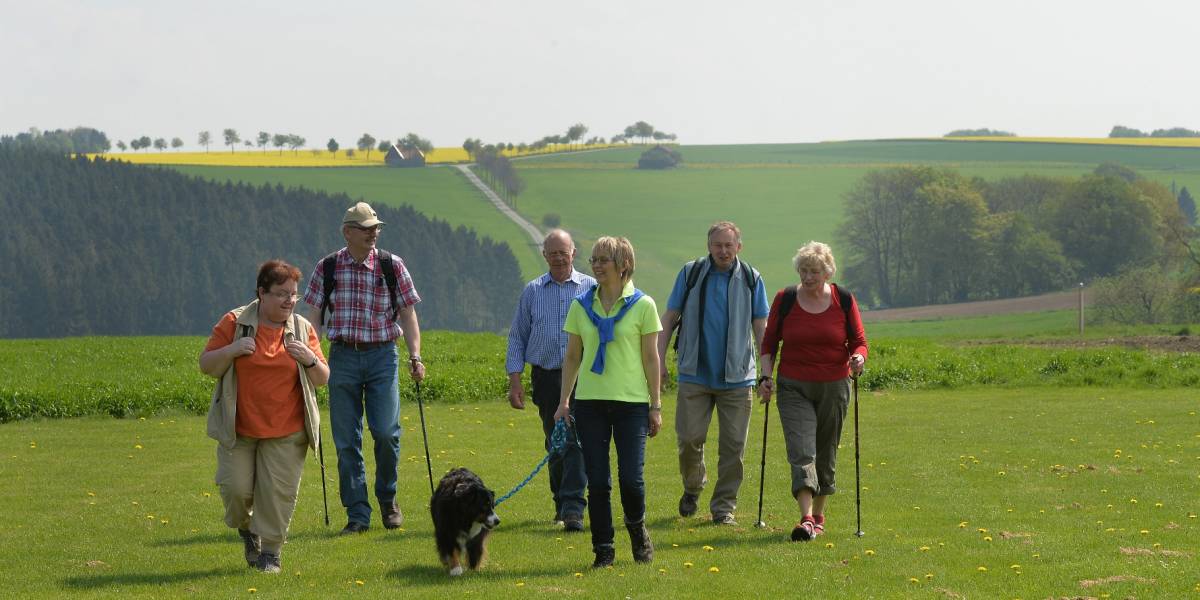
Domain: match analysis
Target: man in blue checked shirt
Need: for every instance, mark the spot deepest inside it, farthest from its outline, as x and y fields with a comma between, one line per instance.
x=536, y=337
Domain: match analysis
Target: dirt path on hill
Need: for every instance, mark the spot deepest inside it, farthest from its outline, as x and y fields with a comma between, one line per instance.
x=1055, y=301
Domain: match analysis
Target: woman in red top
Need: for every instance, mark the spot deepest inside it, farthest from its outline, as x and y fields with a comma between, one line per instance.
x=260, y=352
x=821, y=351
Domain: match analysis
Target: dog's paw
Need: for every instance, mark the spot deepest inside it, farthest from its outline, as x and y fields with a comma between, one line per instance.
x=456, y=571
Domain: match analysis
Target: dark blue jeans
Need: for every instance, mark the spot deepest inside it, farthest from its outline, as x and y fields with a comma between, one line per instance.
x=567, y=478
x=364, y=382
x=626, y=424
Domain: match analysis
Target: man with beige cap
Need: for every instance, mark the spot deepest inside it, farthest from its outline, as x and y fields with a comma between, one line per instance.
x=365, y=299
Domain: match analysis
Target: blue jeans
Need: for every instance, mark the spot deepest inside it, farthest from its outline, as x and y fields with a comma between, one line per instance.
x=567, y=477
x=627, y=425
x=367, y=380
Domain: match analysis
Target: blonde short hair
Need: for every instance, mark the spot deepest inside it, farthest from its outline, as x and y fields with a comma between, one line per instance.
x=815, y=253
x=621, y=251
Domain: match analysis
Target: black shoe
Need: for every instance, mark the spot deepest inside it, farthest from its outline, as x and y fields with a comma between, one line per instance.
x=639, y=538
x=251, y=546
x=354, y=527
x=391, y=515
x=604, y=557
x=573, y=523
x=268, y=563
x=687, y=504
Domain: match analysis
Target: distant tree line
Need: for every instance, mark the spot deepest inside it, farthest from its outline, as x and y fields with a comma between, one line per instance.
x=64, y=141
x=1120, y=131
x=498, y=172
x=107, y=248
x=644, y=132
x=923, y=235
x=985, y=132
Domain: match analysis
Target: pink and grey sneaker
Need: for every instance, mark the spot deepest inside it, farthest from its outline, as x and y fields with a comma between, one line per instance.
x=805, y=530
x=818, y=525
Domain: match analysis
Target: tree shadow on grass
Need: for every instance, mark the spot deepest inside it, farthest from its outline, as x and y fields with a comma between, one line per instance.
x=91, y=582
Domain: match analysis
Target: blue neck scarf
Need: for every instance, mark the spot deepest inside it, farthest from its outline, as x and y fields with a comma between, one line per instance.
x=605, y=325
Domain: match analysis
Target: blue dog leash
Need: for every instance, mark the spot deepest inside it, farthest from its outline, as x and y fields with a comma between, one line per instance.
x=558, y=444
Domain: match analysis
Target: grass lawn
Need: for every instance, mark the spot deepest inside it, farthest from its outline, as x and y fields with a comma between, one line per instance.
x=1017, y=493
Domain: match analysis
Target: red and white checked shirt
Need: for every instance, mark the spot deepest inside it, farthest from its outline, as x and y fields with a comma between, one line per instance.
x=360, y=309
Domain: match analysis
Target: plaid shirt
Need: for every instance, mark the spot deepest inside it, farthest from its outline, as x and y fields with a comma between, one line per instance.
x=360, y=308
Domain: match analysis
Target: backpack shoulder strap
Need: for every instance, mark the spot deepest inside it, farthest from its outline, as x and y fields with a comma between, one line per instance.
x=328, y=268
x=785, y=307
x=845, y=298
x=388, y=266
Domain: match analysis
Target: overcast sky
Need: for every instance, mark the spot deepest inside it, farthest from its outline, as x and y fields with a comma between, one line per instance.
x=712, y=72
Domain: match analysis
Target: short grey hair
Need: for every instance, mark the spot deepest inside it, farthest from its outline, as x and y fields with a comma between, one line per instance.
x=815, y=253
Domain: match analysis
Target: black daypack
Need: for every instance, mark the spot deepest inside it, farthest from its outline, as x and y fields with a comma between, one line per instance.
x=329, y=267
x=690, y=282
x=789, y=299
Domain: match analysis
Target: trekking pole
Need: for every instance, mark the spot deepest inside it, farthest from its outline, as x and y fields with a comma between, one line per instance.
x=857, y=480
x=425, y=436
x=324, y=494
x=763, y=466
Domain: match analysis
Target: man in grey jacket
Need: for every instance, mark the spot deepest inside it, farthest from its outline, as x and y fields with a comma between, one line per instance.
x=720, y=305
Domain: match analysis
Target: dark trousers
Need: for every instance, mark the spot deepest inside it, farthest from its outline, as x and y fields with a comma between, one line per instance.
x=567, y=477
x=626, y=424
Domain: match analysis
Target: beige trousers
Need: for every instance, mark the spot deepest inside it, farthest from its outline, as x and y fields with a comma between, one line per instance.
x=259, y=481
x=693, y=413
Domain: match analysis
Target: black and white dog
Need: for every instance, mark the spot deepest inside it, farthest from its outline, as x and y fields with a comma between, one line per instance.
x=463, y=516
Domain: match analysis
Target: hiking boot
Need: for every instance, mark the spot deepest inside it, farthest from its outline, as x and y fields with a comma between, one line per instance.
x=268, y=563
x=391, y=515
x=639, y=538
x=687, y=504
x=818, y=525
x=724, y=519
x=573, y=523
x=354, y=527
x=805, y=530
x=604, y=557
x=251, y=546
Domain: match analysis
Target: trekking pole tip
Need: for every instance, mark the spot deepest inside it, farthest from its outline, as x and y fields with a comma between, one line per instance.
x=859, y=533
x=760, y=525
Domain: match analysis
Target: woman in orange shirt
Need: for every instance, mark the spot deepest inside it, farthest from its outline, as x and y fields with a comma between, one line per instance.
x=264, y=412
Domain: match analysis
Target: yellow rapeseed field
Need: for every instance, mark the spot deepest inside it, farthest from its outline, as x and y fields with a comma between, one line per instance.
x=310, y=157
x=1157, y=142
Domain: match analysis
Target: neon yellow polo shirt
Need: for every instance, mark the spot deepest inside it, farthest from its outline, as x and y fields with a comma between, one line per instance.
x=623, y=378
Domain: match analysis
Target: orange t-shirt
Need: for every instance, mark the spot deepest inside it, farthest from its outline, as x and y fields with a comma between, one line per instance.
x=270, y=401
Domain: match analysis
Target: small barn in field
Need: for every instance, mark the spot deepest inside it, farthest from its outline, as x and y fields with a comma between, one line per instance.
x=404, y=157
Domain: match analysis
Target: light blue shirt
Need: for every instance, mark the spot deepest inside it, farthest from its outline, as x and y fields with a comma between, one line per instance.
x=710, y=368
x=536, y=335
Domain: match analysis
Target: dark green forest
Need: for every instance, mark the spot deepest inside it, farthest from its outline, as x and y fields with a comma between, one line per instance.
x=107, y=248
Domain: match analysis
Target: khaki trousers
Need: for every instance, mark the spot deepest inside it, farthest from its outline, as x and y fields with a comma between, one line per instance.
x=811, y=414
x=259, y=481
x=693, y=413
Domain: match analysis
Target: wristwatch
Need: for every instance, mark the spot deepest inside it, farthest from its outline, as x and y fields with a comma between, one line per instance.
x=415, y=358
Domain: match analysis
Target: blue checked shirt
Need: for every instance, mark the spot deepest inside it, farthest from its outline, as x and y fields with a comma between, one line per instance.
x=536, y=336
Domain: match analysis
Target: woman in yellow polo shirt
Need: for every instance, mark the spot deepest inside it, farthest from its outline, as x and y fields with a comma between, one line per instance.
x=613, y=329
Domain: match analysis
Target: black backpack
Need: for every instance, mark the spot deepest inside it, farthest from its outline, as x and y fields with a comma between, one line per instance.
x=690, y=282
x=789, y=299
x=329, y=267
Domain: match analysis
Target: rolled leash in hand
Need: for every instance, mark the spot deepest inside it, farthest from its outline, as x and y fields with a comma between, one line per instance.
x=558, y=443
x=425, y=437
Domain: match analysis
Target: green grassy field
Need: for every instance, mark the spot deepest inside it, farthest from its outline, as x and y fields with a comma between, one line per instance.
x=978, y=494
x=438, y=192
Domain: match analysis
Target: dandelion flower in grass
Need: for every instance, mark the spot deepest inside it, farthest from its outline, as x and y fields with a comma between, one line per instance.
x=829, y=545
x=92, y=494
x=359, y=582
x=987, y=538
x=914, y=580
x=962, y=524
x=251, y=590
x=1145, y=532
x=869, y=553
x=207, y=495
x=982, y=530
x=663, y=571
x=578, y=574
x=1133, y=500
x=520, y=584
x=1158, y=505
x=981, y=569
x=709, y=548
x=929, y=576
x=1014, y=566
x=687, y=565
x=924, y=548
x=713, y=570
x=137, y=446
x=674, y=545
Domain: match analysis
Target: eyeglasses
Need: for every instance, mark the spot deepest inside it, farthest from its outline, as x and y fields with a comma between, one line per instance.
x=600, y=260
x=284, y=296
x=375, y=228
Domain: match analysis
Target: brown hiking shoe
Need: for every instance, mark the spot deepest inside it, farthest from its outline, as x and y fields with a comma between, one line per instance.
x=639, y=538
x=391, y=515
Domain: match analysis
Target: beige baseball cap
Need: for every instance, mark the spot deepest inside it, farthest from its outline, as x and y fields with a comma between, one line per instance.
x=362, y=214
